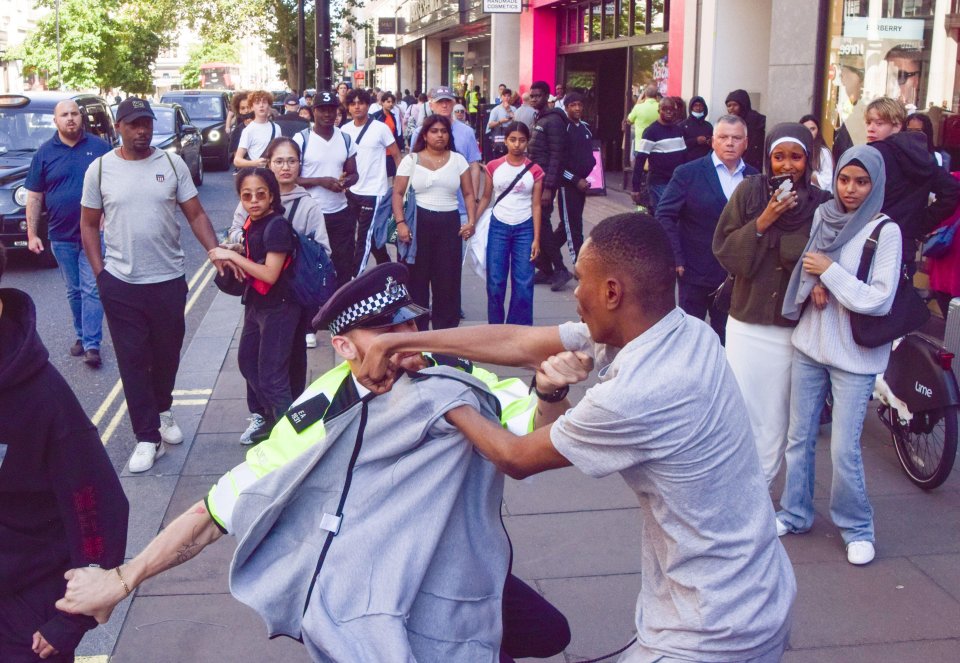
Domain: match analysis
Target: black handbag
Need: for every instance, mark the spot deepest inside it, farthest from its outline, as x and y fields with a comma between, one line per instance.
x=723, y=294
x=907, y=313
x=229, y=284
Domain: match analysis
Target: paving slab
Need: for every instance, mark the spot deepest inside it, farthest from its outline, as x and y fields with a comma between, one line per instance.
x=214, y=454
x=565, y=545
x=227, y=415
x=890, y=600
x=943, y=570
x=148, y=496
x=893, y=652
x=566, y=490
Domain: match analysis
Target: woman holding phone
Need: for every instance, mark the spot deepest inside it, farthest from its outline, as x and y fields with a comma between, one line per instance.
x=760, y=237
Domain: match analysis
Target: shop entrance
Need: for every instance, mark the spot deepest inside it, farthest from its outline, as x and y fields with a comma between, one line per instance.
x=601, y=76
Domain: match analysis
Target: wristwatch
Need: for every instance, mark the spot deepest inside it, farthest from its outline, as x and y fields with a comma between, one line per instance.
x=552, y=397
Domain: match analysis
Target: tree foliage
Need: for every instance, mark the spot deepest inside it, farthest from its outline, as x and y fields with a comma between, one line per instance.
x=206, y=51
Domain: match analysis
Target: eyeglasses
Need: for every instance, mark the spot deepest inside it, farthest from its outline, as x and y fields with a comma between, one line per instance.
x=904, y=76
x=259, y=194
x=280, y=163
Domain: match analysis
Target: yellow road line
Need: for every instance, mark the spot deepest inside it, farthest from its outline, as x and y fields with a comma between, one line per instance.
x=190, y=401
x=107, y=404
x=192, y=392
x=112, y=426
x=103, y=658
x=199, y=291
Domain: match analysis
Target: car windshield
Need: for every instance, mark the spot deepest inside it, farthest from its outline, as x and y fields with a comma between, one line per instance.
x=22, y=130
x=164, y=123
x=199, y=107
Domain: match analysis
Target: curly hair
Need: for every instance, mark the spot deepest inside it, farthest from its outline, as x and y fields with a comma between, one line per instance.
x=259, y=95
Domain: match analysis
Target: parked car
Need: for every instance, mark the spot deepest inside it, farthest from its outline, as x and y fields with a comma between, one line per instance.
x=26, y=121
x=173, y=132
x=207, y=110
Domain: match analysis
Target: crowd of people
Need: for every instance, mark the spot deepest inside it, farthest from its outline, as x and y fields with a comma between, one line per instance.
x=763, y=219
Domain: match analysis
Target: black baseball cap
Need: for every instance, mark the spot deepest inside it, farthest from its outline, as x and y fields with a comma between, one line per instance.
x=133, y=108
x=377, y=298
x=292, y=100
x=326, y=98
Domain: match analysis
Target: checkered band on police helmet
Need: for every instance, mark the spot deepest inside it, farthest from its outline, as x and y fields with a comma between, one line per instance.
x=392, y=293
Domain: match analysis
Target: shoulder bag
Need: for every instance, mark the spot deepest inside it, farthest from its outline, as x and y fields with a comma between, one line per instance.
x=938, y=242
x=907, y=313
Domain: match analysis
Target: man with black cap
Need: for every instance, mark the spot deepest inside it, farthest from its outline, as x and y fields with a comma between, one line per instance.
x=328, y=167
x=579, y=165
x=290, y=122
x=136, y=189
x=381, y=492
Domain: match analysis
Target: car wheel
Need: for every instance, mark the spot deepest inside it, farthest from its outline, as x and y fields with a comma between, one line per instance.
x=224, y=162
x=198, y=177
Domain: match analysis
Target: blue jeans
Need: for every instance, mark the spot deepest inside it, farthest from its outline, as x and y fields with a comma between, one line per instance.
x=82, y=293
x=850, y=507
x=508, y=252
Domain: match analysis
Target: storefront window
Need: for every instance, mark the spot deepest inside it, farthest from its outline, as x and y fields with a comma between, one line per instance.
x=594, y=20
x=623, y=18
x=640, y=17
x=886, y=56
x=596, y=16
x=658, y=15
x=649, y=66
x=584, y=23
x=609, y=14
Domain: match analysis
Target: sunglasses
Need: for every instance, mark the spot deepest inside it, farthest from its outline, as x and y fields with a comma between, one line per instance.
x=904, y=76
x=258, y=195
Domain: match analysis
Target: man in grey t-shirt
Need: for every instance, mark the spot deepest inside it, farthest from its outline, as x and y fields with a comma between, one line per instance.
x=668, y=416
x=136, y=190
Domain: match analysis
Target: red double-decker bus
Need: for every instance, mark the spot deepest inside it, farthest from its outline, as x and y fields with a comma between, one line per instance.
x=219, y=76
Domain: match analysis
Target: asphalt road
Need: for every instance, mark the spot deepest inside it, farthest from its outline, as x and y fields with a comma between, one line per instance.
x=98, y=390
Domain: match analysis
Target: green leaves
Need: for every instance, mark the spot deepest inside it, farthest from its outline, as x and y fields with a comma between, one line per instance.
x=206, y=52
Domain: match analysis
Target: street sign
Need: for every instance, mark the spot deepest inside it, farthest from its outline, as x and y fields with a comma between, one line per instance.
x=502, y=6
x=386, y=55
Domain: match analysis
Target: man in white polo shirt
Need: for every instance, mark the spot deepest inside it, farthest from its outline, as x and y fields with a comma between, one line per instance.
x=370, y=196
x=328, y=165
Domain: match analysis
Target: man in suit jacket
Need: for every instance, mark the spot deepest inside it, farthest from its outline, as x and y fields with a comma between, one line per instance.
x=689, y=210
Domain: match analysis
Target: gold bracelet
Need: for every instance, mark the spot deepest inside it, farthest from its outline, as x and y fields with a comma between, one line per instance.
x=122, y=581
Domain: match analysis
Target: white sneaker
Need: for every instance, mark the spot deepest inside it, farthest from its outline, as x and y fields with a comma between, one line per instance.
x=144, y=456
x=311, y=340
x=782, y=529
x=257, y=422
x=169, y=430
x=860, y=552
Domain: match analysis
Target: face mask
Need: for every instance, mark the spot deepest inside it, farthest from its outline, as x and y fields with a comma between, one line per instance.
x=247, y=116
x=697, y=115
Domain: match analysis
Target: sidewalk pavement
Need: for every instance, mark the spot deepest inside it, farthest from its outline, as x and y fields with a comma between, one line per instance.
x=575, y=539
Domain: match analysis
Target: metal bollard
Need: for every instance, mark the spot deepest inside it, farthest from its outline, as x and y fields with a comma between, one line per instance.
x=951, y=334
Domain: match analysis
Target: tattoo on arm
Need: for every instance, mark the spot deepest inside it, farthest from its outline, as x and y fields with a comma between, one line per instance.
x=188, y=551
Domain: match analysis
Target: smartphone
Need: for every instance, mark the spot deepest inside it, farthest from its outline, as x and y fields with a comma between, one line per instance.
x=781, y=185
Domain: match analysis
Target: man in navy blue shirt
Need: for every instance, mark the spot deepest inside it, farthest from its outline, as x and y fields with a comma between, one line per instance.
x=56, y=180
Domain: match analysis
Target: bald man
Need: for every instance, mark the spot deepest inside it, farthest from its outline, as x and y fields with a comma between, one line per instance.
x=55, y=180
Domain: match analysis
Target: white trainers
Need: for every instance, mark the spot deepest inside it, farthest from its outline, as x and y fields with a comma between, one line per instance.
x=257, y=422
x=311, y=340
x=169, y=430
x=145, y=455
x=860, y=552
x=782, y=529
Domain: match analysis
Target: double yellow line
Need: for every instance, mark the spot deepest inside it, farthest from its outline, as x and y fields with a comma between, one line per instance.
x=197, y=283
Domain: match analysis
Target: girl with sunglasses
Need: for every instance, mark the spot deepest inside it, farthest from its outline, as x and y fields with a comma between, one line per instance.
x=271, y=319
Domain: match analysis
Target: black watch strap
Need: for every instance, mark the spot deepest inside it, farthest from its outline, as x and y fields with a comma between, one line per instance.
x=553, y=396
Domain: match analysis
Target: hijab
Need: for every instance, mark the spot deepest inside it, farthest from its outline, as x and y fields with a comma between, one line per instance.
x=808, y=196
x=834, y=226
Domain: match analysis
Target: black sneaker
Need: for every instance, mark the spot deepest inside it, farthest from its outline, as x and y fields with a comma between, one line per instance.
x=76, y=350
x=560, y=280
x=261, y=433
x=92, y=358
x=542, y=278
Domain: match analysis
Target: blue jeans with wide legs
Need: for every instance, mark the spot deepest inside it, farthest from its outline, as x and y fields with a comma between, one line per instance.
x=82, y=293
x=850, y=507
x=508, y=254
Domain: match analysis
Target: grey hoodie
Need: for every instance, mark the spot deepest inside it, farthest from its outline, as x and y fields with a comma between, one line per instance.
x=383, y=542
x=308, y=220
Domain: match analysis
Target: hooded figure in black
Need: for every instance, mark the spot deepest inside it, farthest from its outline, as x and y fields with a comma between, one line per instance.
x=756, y=126
x=912, y=175
x=697, y=132
x=61, y=503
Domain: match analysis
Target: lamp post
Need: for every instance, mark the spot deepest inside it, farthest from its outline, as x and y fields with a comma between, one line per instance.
x=324, y=61
x=301, y=56
x=59, y=74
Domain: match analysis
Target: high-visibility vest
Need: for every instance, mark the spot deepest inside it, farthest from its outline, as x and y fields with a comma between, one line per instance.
x=518, y=408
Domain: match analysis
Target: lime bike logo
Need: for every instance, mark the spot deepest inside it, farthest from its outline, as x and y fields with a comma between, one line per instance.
x=922, y=389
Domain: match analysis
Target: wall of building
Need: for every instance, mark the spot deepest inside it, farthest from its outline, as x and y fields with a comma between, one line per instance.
x=504, y=53
x=792, y=75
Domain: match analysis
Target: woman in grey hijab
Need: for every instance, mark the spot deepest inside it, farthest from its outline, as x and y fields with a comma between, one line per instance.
x=823, y=291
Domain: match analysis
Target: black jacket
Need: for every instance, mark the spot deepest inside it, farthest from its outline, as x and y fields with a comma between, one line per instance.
x=693, y=128
x=579, y=162
x=756, y=128
x=291, y=124
x=548, y=145
x=61, y=503
x=912, y=175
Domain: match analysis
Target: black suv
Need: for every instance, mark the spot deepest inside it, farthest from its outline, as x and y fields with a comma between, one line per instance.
x=207, y=110
x=26, y=122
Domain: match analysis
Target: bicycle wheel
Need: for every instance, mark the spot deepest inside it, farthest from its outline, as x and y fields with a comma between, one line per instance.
x=927, y=445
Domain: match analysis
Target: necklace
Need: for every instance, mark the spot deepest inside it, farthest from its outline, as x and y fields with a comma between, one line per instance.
x=437, y=162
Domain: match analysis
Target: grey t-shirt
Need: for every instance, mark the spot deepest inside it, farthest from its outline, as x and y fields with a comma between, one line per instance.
x=668, y=415
x=139, y=201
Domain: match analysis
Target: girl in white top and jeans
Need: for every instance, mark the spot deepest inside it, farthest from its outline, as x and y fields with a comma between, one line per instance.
x=436, y=172
x=827, y=357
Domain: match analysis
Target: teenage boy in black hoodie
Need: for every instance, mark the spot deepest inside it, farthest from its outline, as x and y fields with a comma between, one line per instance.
x=697, y=132
x=738, y=103
x=61, y=503
x=912, y=175
x=579, y=164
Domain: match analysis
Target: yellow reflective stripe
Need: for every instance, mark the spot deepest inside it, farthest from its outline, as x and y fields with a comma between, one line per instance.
x=518, y=416
x=223, y=497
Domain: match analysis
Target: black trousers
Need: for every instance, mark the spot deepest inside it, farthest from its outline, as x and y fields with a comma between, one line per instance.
x=342, y=231
x=266, y=344
x=695, y=300
x=572, y=202
x=298, y=366
x=437, y=269
x=362, y=208
x=532, y=627
x=550, y=259
x=147, y=327
x=23, y=613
